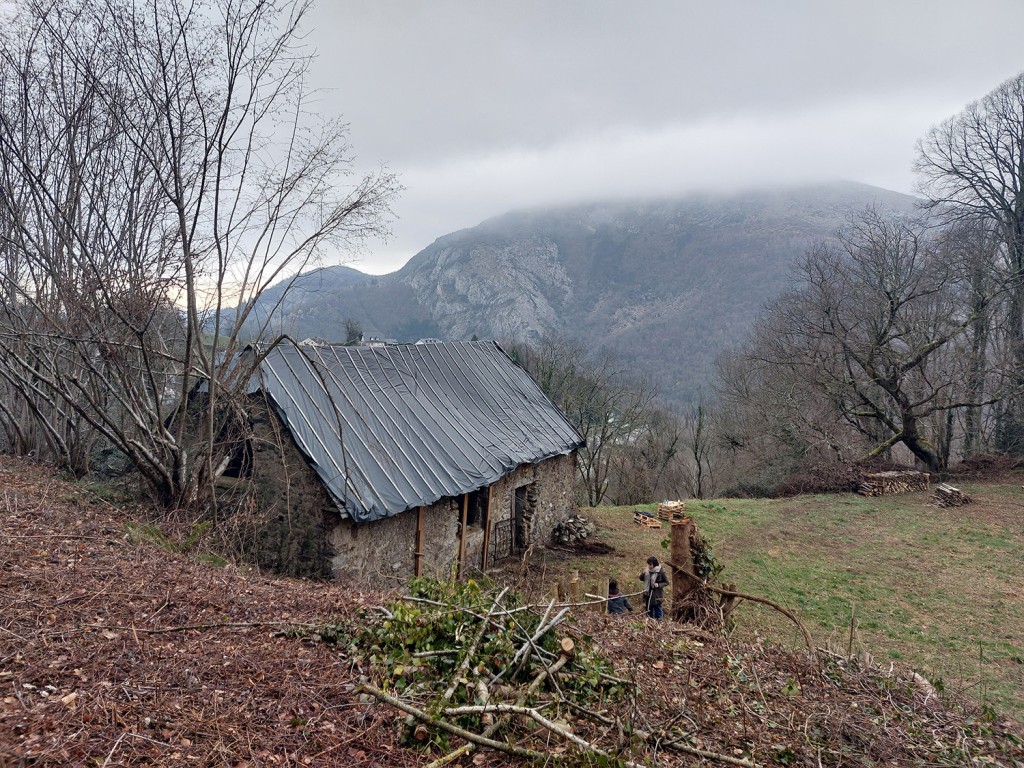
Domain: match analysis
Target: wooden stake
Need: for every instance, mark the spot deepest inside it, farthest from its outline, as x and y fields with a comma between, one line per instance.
x=853, y=627
x=487, y=529
x=462, y=535
x=421, y=535
x=574, y=587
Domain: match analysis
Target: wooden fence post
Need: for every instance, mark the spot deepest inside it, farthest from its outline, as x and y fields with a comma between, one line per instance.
x=487, y=529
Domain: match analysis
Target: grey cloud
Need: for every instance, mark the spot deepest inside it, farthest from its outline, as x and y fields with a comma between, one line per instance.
x=481, y=107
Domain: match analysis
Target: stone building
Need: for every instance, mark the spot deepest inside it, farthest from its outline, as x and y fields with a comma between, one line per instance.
x=401, y=460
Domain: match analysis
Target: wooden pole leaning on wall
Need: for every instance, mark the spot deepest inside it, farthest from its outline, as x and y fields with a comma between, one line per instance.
x=682, y=564
x=462, y=536
x=421, y=522
x=487, y=529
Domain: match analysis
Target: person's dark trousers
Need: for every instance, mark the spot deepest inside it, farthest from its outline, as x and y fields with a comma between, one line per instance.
x=655, y=612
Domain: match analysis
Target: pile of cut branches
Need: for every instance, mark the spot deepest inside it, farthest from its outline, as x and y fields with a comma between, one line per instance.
x=473, y=663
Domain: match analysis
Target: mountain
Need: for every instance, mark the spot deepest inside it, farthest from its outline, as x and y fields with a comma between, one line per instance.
x=668, y=283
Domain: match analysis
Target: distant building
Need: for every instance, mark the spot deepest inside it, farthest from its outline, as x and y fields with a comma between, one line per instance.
x=373, y=341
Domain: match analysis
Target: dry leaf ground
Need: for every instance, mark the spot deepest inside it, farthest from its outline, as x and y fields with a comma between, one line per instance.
x=115, y=652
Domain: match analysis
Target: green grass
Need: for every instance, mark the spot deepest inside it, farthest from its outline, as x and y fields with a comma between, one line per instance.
x=148, y=533
x=940, y=590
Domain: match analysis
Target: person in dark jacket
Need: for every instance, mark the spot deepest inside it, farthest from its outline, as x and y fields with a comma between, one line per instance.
x=617, y=602
x=654, y=579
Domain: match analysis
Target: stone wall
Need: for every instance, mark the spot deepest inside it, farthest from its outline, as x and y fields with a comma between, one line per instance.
x=295, y=528
x=386, y=548
x=285, y=527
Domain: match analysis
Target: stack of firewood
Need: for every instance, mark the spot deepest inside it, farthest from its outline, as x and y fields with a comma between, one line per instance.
x=948, y=496
x=884, y=483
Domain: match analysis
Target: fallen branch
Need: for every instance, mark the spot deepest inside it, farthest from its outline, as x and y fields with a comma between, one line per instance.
x=535, y=715
x=530, y=644
x=682, y=746
x=468, y=658
x=196, y=627
x=500, y=723
x=462, y=733
x=808, y=640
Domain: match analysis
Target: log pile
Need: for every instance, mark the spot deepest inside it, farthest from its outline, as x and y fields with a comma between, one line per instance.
x=671, y=511
x=887, y=483
x=573, y=530
x=948, y=496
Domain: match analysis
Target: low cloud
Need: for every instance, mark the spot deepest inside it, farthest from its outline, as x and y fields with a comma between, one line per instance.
x=867, y=141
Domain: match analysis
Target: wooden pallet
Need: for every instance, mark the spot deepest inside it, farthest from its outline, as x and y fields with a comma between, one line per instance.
x=671, y=511
x=645, y=519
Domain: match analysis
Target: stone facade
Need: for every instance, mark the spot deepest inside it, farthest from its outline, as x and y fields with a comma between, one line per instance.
x=387, y=548
x=298, y=531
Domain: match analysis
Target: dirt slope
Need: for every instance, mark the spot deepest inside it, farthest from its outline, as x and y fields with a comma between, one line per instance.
x=114, y=652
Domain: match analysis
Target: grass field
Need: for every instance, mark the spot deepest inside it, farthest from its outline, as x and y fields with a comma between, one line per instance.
x=940, y=590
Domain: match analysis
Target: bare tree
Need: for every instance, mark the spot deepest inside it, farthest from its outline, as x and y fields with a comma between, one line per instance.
x=161, y=167
x=772, y=418
x=353, y=331
x=972, y=169
x=699, y=443
x=871, y=327
x=978, y=249
x=608, y=403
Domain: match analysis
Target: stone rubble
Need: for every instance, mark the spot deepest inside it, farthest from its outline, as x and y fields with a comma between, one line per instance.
x=573, y=530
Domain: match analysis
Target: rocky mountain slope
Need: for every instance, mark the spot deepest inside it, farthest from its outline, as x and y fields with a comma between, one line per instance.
x=667, y=283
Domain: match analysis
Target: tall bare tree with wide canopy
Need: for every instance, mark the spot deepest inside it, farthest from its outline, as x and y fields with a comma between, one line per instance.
x=873, y=327
x=971, y=168
x=161, y=165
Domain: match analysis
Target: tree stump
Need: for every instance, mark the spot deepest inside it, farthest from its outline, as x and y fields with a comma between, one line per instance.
x=682, y=566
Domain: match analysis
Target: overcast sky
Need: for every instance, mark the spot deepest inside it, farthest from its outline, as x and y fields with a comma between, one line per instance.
x=483, y=107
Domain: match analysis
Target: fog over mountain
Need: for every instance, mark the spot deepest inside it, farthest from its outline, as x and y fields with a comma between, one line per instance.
x=482, y=108
x=667, y=283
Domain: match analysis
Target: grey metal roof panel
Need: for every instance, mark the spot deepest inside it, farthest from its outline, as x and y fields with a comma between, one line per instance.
x=395, y=427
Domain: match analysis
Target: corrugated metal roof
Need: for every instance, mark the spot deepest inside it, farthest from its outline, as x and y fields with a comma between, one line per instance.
x=391, y=428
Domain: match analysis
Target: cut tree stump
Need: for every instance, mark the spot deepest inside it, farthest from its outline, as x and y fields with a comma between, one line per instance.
x=682, y=567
